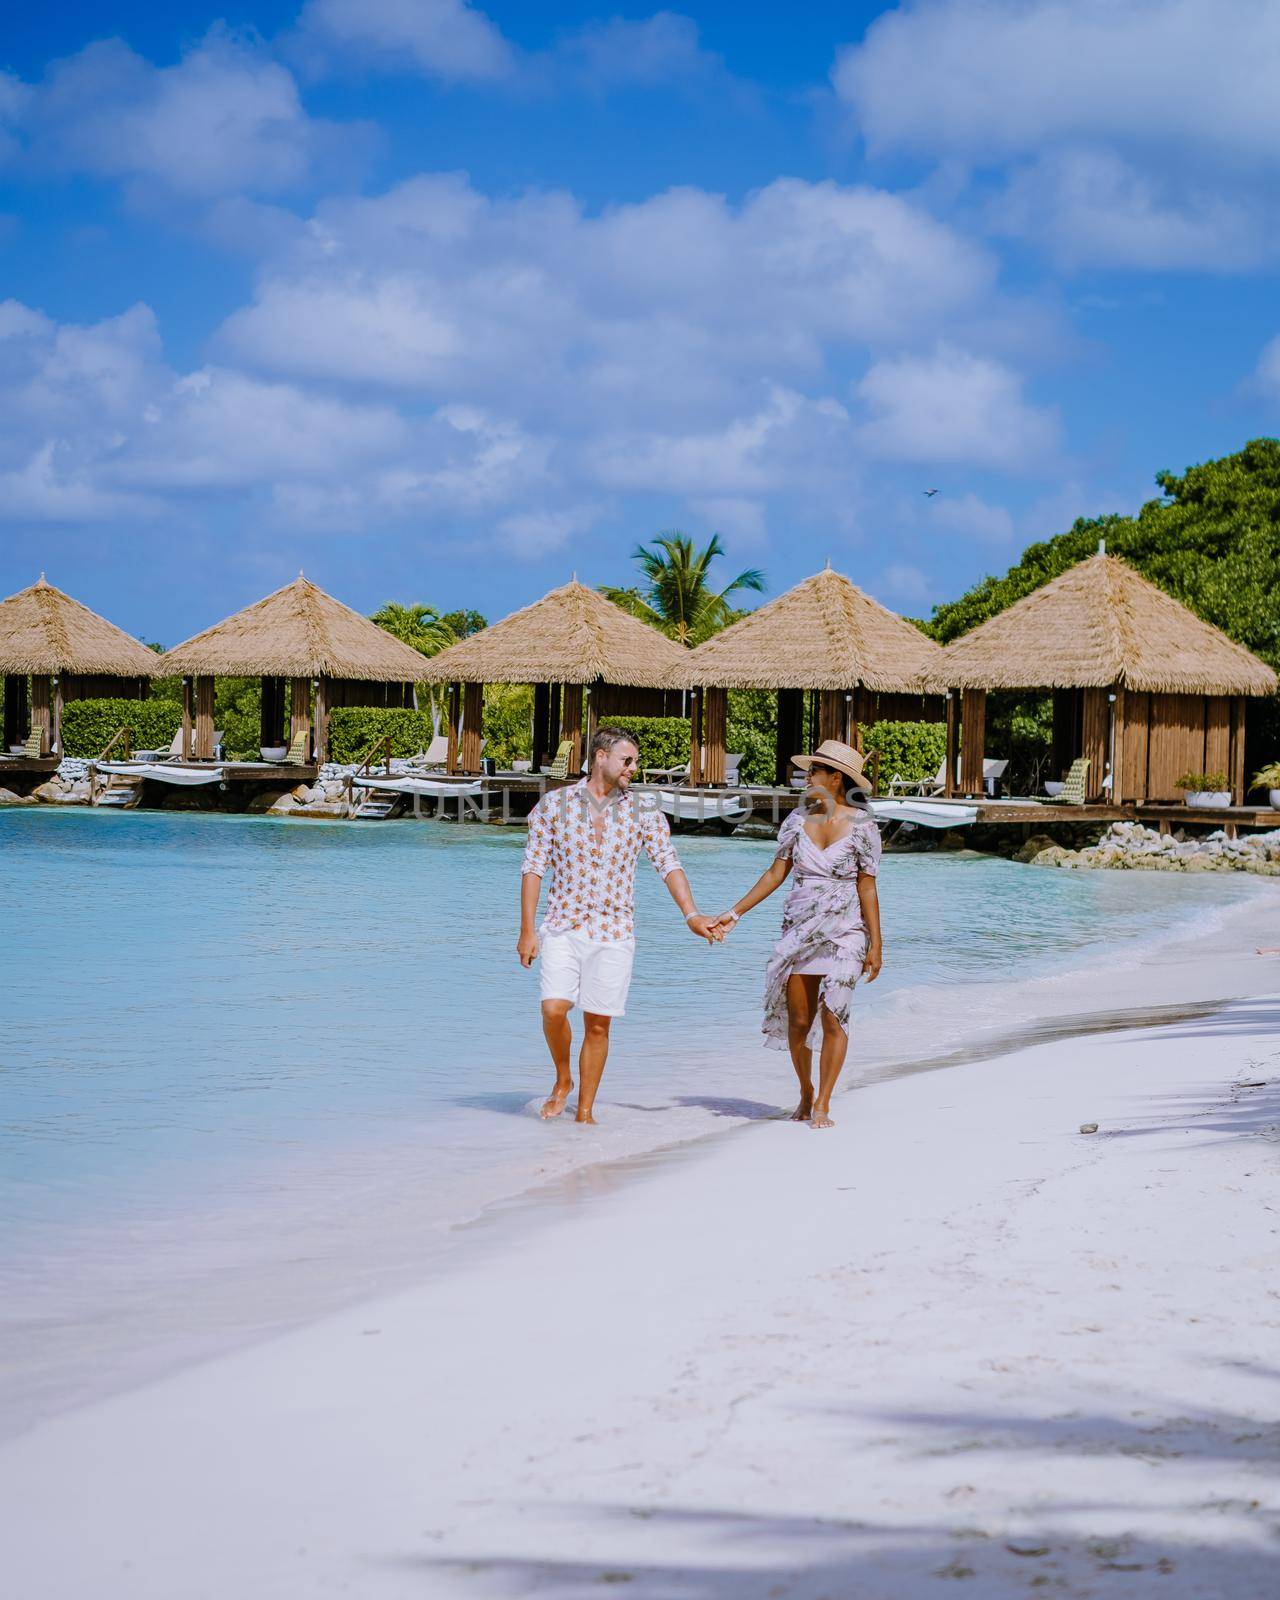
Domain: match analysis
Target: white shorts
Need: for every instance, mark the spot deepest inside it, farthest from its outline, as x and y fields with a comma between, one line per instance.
x=591, y=974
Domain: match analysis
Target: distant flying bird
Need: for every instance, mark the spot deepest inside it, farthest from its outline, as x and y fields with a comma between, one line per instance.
x=929, y=493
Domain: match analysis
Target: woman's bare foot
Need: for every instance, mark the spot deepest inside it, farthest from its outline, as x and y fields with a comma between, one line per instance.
x=803, y=1111
x=554, y=1104
x=821, y=1119
x=585, y=1117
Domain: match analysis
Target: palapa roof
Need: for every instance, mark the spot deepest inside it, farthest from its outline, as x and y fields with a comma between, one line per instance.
x=572, y=635
x=1101, y=623
x=823, y=634
x=44, y=631
x=297, y=632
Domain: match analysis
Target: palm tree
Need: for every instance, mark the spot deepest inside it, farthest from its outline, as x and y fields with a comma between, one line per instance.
x=676, y=596
x=420, y=627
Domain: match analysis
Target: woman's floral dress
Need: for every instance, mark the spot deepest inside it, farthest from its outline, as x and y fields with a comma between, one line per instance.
x=821, y=920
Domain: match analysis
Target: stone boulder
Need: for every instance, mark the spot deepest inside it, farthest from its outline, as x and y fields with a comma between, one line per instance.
x=1054, y=855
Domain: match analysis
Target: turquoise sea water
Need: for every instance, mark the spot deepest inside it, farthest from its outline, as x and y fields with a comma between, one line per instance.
x=251, y=1067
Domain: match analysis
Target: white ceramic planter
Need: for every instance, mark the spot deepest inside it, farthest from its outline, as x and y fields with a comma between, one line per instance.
x=1274, y=796
x=274, y=752
x=1209, y=799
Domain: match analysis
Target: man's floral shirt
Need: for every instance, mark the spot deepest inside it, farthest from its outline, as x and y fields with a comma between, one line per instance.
x=593, y=878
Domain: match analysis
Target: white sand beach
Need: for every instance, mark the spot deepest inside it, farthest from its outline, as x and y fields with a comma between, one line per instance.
x=953, y=1339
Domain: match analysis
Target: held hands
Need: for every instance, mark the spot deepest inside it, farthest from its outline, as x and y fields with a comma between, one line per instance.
x=704, y=927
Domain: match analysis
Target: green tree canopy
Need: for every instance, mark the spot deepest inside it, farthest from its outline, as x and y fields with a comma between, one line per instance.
x=1211, y=540
x=676, y=595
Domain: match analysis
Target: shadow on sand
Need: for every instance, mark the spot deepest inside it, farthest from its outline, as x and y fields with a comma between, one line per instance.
x=1227, y=1546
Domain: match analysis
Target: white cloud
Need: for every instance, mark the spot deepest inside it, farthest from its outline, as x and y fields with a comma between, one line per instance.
x=905, y=585
x=450, y=40
x=1093, y=208
x=969, y=517
x=742, y=520
x=988, y=80
x=533, y=534
x=954, y=407
x=225, y=118
x=1140, y=135
x=655, y=52
x=663, y=308
x=1267, y=376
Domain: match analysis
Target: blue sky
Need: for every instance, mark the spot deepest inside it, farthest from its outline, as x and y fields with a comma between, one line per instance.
x=442, y=302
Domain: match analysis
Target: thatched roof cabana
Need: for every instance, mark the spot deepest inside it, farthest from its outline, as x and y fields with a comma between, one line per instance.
x=570, y=640
x=572, y=635
x=1101, y=624
x=861, y=662
x=1142, y=687
x=69, y=653
x=297, y=632
x=823, y=634
x=302, y=634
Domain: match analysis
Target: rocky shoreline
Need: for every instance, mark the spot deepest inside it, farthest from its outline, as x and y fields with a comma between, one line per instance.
x=1128, y=846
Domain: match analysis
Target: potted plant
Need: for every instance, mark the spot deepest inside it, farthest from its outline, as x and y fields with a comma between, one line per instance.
x=1209, y=789
x=1269, y=779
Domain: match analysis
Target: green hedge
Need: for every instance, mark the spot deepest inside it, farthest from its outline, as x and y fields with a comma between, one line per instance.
x=88, y=726
x=663, y=741
x=910, y=750
x=352, y=729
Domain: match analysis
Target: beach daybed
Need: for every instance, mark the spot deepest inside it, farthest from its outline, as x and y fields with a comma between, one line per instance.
x=1073, y=791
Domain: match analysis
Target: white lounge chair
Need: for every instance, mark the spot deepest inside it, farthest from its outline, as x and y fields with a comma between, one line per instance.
x=731, y=765
x=919, y=786
x=665, y=775
x=435, y=755
x=174, y=752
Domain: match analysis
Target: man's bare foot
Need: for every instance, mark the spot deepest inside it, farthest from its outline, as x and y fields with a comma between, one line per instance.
x=554, y=1104
x=821, y=1119
x=803, y=1111
x=586, y=1117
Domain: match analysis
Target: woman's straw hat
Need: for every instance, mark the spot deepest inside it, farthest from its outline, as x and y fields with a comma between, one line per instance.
x=842, y=757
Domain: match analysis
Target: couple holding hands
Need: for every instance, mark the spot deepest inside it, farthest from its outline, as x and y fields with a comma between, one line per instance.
x=589, y=836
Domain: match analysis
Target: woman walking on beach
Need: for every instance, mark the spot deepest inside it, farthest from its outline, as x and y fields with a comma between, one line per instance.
x=830, y=923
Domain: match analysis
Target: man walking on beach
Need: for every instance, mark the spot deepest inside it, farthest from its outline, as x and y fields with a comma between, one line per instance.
x=590, y=835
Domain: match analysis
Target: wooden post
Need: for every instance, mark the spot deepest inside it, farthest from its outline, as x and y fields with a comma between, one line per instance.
x=591, y=710
x=188, y=745
x=554, y=735
x=1236, y=768
x=204, y=718
x=472, y=728
x=715, y=712
x=790, y=727
x=17, y=710
x=454, y=715
x=973, y=739
x=830, y=714
x=695, y=737
x=571, y=724
x=1095, y=723
x=271, y=719
x=1120, y=779
x=953, y=743
x=322, y=720
x=55, y=715
x=41, y=709
x=541, y=732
